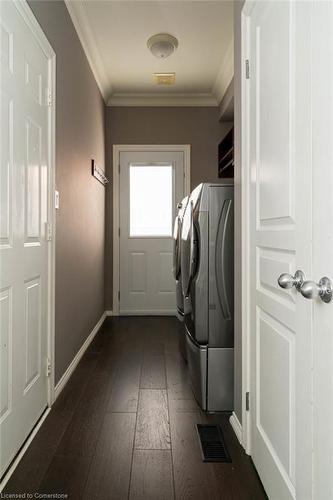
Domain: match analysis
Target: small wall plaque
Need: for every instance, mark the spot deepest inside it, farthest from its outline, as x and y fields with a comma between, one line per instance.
x=98, y=173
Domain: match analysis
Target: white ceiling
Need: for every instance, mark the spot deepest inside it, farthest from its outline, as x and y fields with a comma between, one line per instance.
x=114, y=36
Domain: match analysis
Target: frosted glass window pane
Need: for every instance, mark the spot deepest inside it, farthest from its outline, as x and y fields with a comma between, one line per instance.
x=150, y=200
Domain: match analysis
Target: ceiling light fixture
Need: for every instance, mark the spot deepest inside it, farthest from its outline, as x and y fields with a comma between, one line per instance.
x=162, y=45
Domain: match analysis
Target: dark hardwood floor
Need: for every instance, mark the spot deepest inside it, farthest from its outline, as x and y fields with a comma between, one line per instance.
x=124, y=427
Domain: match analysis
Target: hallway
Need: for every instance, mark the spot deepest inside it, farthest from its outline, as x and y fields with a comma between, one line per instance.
x=124, y=427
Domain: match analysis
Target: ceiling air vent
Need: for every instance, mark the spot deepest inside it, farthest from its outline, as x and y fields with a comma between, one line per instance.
x=165, y=78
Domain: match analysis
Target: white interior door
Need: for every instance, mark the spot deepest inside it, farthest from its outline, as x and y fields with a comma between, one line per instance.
x=279, y=91
x=151, y=185
x=23, y=245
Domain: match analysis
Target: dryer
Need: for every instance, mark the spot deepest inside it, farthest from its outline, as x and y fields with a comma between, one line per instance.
x=207, y=263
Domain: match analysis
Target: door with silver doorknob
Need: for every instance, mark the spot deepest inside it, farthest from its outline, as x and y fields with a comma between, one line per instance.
x=287, y=186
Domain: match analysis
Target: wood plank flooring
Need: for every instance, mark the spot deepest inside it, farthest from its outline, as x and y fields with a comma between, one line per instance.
x=124, y=427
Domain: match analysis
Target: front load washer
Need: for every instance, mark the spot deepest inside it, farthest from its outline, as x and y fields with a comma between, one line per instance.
x=207, y=263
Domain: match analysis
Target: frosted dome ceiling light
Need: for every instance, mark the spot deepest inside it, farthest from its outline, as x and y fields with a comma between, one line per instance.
x=162, y=45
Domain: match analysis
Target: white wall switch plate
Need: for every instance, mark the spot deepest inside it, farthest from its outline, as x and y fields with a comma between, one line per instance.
x=56, y=200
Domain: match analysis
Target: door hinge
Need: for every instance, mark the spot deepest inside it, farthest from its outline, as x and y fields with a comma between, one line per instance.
x=118, y=295
x=49, y=97
x=119, y=168
x=48, y=231
x=48, y=367
x=247, y=401
x=119, y=232
x=247, y=69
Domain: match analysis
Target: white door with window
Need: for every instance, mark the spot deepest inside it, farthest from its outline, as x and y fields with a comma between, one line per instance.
x=288, y=130
x=25, y=171
x=151, y=185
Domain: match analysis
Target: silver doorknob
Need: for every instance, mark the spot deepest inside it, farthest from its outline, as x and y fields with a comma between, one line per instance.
x=288, y=281
x=312, y=290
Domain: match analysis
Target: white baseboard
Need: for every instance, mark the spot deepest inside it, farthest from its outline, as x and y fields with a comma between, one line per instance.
x=66, y=376
x=236, y=425
x=148, y=312
x=22, y=451
x=108, y=313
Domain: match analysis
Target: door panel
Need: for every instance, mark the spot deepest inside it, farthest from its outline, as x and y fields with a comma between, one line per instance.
x=6, y=342
x=151, y=186
x=23, y=246
x=6, y=170
x=275, y=366
x=166, y=283
x=138, y=269
x=32, y=333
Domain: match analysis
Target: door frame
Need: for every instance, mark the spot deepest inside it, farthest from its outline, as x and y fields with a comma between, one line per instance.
x=30, y=20
x=120, y=148
x=245, y=227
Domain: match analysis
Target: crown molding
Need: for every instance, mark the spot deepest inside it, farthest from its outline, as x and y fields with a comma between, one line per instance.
x=165, y=99
x=225, y=73
x=82, y=27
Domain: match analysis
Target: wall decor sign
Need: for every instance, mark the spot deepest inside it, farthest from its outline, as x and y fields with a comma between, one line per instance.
x=98, y=173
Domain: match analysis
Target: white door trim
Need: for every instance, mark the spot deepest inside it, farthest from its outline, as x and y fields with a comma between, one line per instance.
x=117, y=149
x=245, y=182
x=30, y=20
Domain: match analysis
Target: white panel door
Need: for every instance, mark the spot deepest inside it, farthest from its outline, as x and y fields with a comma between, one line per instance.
x=151, y=185
x=279, y=91
x=23, y=245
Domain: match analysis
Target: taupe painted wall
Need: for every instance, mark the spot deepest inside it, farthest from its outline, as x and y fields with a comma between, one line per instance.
x=80, y=120
x=238, y=5
x=198, y=126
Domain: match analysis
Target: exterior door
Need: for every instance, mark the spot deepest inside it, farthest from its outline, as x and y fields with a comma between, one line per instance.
x=151, y=186
x=23, y=244
x=290, y=121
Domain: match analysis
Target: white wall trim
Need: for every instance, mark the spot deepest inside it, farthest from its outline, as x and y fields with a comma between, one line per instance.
x=117, y=149
x=149, y=312
x=86, y=36
x=245, y=181
x=162, y=100
x=108, y=313
x=66, y=376
x=24, y=448
x=236, y=425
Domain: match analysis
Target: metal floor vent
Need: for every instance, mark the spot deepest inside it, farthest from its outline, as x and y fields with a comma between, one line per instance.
x=212, y=444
